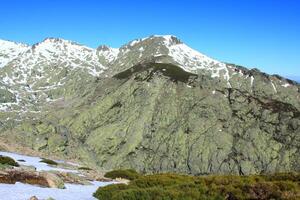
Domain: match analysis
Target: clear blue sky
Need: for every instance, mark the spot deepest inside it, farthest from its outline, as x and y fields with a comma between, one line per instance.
x=254, y=33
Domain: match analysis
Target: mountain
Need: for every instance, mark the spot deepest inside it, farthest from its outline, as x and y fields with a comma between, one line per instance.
x=154, y=104
x=295, y=78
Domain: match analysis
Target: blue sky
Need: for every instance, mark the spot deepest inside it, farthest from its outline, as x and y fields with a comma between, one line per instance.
x=253, y=33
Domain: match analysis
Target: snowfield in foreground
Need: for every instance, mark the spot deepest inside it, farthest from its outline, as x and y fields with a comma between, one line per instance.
x=20, y=191
x=34, y=161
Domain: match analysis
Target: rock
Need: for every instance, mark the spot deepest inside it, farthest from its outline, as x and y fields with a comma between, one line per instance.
x=122, y=181
x=40, y=143
x=33, y=198
x=45, y=179
x=73, y=178
x=53, y=180
x=152, y=114
x=27, y=168
x=6, y=96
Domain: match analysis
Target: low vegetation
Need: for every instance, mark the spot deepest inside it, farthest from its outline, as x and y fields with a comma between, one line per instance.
x=5, y=160
x=129, y=174
x=84, y=168
x=183, y=187
x=48, y=161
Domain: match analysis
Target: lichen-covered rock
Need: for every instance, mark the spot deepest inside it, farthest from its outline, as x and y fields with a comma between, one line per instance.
x=53, y=180
x=161, y=107
x=6, y=96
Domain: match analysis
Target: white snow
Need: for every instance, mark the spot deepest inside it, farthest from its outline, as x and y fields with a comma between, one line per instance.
x=286, y=85
x=273, y=86
x=141, y=49
x=109, y=54
x=251, y=81
x=191, y=60
x=9, y=51
x=20, y=191
x=55, y=53
x=34, y=161
x=34, y=64
x=134, y=42
x=241, y=73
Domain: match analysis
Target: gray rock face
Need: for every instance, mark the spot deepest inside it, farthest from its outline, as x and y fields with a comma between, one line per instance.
x=159, y=106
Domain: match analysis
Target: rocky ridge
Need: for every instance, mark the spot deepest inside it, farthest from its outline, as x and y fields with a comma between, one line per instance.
x=154, y=105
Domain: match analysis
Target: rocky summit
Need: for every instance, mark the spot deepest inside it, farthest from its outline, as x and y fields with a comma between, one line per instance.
x=154, y=105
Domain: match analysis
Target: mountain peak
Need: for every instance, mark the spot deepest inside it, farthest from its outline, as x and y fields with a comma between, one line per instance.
x=105, y=48
x=169, y=39
x=51, y=42
x=57, y=40
x=10, y=50
x=4, y=44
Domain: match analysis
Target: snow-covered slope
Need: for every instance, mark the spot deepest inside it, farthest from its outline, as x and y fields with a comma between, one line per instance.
x=48, y=66
x=54, y=68
x=10, y=50
x=115, y=107
x=174, y=51
x=61, y=52
x=107, y=54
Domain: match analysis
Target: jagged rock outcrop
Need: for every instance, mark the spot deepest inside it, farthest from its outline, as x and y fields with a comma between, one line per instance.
x=154, y=105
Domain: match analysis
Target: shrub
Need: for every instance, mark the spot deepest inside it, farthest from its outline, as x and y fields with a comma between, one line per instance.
x=108, y=191
x=129, y=174
x=48, y=161
x=84, y=168
x=182, y=187
x=5, y=160
x=292, y=176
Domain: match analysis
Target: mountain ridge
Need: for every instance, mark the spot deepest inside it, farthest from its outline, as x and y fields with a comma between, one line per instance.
x=106, y=48
x=154, y=104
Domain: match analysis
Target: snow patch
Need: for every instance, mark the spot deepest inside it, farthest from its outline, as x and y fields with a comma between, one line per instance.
x=286, y=85
x=21, y=191
x=273, y=86
x=109, y=54
x=251, y=81
x=34, y=161
x=192, y=61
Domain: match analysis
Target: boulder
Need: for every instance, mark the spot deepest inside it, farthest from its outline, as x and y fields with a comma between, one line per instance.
x=44, y=179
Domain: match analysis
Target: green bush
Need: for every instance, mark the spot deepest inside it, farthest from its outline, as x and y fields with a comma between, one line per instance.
x=129, y=174
x=182, y=187
x=84, y=168
x=48, y=161
x=5, y=160
x=108, y=191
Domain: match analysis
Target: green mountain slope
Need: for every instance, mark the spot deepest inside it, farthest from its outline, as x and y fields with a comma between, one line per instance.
x=158, y=106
